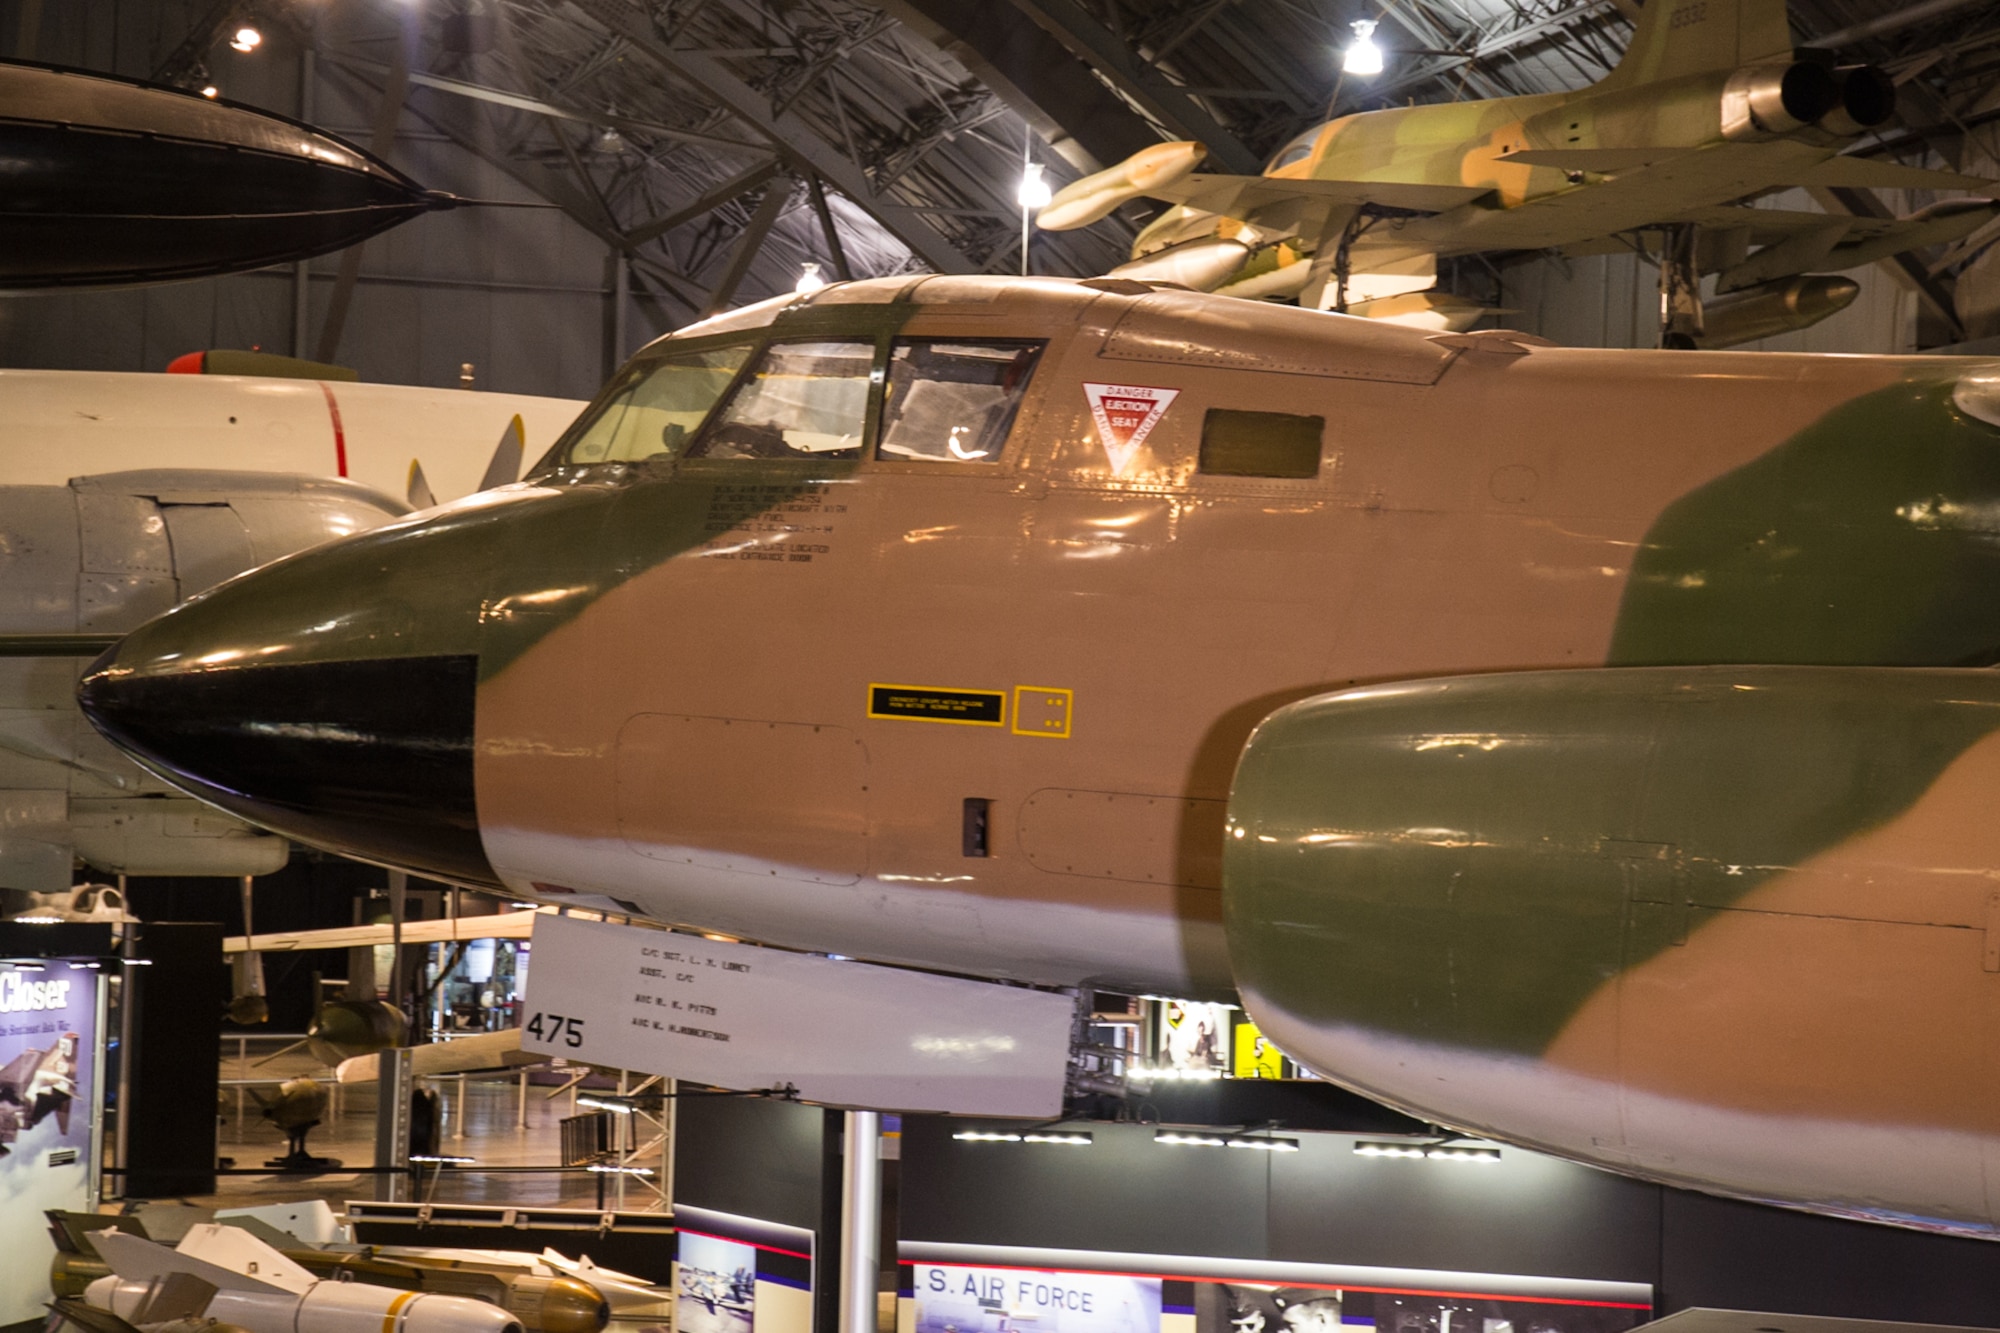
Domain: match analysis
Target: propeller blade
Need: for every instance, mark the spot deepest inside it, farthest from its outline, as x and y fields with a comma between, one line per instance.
x=419, y=489
x=505, y=465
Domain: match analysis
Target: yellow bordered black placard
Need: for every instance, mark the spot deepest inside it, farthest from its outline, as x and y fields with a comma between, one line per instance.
x=933, y=703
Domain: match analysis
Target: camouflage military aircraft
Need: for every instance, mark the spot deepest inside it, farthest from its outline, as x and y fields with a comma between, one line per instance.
x=926, y=620
x=1709, y=106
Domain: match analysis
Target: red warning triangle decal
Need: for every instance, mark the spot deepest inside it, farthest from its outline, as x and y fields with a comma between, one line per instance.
x=1125, y=416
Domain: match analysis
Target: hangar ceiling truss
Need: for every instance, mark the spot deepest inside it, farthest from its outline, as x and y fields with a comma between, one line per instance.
x=895, y=132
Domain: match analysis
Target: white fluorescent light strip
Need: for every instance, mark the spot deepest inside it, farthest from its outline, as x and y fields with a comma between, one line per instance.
x=623, y=1170
x=1065, y=1137
x=1257, y=1142
x=1437, y=1152
x=449, y=1161
x=595, y=1104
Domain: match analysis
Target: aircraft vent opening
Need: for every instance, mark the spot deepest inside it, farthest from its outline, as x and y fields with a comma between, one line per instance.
x=973, y=826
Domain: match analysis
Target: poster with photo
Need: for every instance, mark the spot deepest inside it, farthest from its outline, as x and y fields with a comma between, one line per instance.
x=734, y=1273
x=1244, y=1307
x=715, y=1287
x=1196, y=1037
x=950, y=1298
x=48, y=1092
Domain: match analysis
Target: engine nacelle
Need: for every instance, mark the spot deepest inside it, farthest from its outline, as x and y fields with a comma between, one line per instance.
x=1736, y=928
x=1761, y=101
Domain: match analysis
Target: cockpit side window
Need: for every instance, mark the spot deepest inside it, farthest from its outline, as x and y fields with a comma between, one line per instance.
x=654, y=407
x=801, y=400
x=1298, y=150
x=953, y=400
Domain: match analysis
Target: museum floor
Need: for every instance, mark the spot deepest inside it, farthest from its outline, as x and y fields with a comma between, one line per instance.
x=514, y=1141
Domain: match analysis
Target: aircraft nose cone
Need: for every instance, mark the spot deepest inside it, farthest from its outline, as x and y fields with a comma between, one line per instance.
x=328, y=697
x=371, y=756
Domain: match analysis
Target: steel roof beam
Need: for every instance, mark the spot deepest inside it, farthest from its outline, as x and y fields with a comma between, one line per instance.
x=707, y=202
x=795, y=138
x=747, y=245
x=1128, y=72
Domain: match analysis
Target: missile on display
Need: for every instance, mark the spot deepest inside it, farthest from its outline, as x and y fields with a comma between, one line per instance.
x=1775, y=308
x=254, y=1287
x=558, y=1303
x=111, y=182
x=1083, y=202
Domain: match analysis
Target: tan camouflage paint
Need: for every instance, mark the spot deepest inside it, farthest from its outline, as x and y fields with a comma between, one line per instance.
x=1452, y=528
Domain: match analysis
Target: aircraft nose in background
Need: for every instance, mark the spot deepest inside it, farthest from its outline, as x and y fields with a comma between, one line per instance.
x=324, y=732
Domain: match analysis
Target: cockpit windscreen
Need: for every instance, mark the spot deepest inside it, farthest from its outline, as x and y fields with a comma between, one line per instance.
x=654, y=406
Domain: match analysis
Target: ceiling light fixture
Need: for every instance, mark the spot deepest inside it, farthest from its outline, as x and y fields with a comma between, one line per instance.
x=1436, y=1152
x=211, y=92
x=1363, y=57
x=246, y=39
x=809, y=280
x=1254, y=1142
x=1034, y=192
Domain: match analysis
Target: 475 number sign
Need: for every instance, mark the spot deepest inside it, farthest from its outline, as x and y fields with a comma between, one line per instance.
x=553, y=1028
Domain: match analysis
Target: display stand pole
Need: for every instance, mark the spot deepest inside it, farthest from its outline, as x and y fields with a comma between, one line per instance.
x=126, y=1046
x=393, y=1085
x=860, y=1219
x=100, y=1051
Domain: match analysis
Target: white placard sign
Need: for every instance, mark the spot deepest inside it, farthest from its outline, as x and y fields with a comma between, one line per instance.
x=842, y=1033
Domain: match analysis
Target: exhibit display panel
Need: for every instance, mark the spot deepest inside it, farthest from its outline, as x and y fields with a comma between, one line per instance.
x=997, y=1288
x=51, y=1103
x=737, y=1274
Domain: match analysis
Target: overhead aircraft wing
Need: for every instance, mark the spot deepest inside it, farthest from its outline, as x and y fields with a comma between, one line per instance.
x=1867, y=174
x=1235, y=195
x=499, y=926
x=462, y=1055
